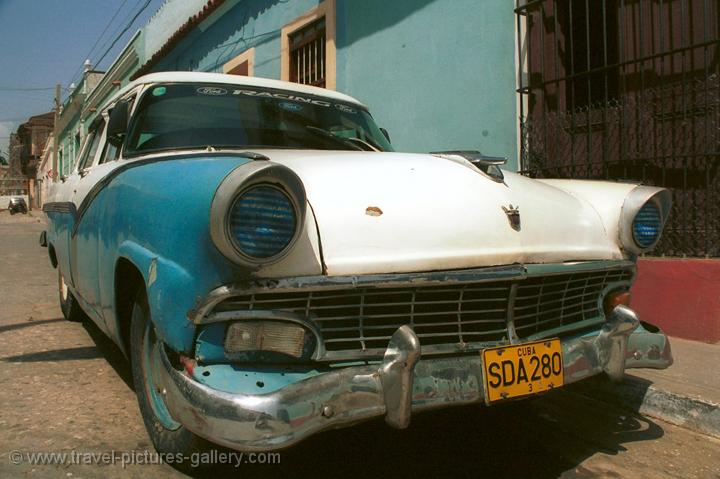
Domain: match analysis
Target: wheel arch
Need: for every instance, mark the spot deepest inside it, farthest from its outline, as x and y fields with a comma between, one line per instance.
x=53, y=256
x=127, y=282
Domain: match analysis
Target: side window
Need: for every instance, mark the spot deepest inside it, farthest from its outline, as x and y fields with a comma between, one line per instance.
x=111, y=152
x=93, y=141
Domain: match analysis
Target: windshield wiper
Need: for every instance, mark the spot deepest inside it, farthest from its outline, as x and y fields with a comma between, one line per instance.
x=371, y=145
x=339, y=140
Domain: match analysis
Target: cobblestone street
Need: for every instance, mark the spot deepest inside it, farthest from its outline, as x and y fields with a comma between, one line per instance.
x=65, y=387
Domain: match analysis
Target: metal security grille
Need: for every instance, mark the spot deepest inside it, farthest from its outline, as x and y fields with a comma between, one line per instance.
x=364, y=319
x=630, y=90
x=307, y=54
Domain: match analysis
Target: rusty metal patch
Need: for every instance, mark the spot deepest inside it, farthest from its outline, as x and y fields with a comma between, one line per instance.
x=373, y=211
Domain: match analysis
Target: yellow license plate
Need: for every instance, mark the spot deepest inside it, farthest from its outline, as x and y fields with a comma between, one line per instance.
x=522, y=370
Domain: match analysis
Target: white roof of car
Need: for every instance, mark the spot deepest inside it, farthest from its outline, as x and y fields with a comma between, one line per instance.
x=194, y=77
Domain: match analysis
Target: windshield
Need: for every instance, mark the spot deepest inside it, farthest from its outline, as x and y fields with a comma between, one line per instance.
x=175, y=116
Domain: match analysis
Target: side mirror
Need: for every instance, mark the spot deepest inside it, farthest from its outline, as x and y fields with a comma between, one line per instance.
x=387, y=135
x=118, y=123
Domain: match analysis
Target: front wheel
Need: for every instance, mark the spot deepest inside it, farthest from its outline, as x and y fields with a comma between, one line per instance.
x=68, y=303
x=168, y=435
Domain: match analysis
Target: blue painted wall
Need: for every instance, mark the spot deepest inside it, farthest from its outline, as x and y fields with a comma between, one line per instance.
x=438, y=74
x=250, y=23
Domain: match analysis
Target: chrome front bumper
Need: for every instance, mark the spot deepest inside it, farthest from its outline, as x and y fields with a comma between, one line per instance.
x=401, y=385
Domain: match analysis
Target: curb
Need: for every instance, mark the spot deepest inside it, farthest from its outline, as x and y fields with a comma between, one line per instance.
x=639, y=395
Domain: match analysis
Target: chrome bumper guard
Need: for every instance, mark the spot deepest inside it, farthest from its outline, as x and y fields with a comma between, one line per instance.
x=400, y=385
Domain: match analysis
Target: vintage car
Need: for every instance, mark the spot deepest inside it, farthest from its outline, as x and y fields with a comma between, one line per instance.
x=17, y=204
x=272, y=268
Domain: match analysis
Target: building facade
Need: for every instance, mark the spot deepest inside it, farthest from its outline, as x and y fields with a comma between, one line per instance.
x=437, y=74
x=71, y=126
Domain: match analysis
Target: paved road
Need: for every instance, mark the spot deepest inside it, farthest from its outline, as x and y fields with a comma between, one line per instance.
x=63, y=388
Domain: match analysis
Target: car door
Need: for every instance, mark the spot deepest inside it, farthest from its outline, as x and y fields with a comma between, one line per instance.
x=79, y=183
x=84, y=242
x=64, y=193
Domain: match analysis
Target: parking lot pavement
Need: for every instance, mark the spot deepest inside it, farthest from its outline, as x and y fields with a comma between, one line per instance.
x=66, y=389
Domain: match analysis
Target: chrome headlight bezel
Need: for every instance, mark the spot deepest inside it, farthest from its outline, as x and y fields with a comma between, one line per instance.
x=634, y=202
x=235, y=184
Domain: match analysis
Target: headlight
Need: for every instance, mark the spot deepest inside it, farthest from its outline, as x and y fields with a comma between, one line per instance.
x=257, y=214
x=262, y=221
x=647, y=225
x=643, y=217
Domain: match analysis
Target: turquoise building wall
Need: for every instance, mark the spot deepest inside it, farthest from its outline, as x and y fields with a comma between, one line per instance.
x=250, y=23
x=438, y=74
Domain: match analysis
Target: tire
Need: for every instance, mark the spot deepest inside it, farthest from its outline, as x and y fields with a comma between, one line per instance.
x=12, y=212
x=167, y=435
x=68, y=304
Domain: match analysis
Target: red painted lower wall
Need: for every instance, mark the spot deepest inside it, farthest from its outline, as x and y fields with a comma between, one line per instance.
x=681, y=296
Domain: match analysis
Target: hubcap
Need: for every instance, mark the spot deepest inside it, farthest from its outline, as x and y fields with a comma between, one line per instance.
x=151, y=361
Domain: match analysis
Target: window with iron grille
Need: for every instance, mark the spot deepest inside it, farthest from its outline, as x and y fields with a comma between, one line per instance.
x=307, y=54
x=628, y=90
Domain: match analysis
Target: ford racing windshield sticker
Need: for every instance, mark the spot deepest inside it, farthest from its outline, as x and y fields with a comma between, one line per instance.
x=282, y=96
x=211, y=90
x=290, y=106
x=345, y=108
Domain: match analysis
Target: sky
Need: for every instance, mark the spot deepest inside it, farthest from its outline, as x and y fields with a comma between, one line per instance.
x=45, y=42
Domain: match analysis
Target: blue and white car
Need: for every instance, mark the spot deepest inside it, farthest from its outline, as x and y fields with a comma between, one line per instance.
x=272, y=268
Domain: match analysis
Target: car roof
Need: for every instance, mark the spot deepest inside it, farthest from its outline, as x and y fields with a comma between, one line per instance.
x=239, y=80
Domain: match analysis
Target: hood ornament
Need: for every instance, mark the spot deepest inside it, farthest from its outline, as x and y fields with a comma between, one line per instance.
x=513, y=214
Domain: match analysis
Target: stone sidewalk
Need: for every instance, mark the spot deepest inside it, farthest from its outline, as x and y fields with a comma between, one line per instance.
x=686, y=394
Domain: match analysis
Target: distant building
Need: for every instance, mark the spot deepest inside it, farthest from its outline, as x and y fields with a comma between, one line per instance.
x=33, y=135
x=15, y=153
x=27, y=145
x=45, y=174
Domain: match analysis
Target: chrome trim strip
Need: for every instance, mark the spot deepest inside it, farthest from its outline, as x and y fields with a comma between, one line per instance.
x=199, y=314
x=125, y=165
x=547, y=269
x=510, y=320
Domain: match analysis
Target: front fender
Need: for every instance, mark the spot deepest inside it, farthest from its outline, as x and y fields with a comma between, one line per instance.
x=171, y=293
x=156, y=215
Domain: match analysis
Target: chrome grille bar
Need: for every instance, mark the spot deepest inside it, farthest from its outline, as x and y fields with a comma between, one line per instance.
x=358, y=321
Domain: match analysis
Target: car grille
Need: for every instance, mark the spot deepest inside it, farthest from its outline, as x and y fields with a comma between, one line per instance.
x=549, y=302
x=362, y=320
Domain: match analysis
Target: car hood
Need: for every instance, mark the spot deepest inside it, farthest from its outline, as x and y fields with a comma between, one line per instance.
x=402, y=212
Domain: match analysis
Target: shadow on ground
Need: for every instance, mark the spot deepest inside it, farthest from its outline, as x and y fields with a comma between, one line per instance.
x=111, y=352
x=541, y=439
